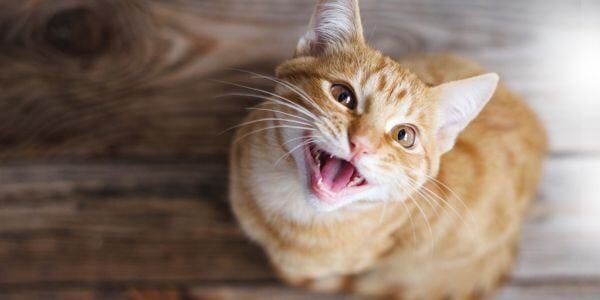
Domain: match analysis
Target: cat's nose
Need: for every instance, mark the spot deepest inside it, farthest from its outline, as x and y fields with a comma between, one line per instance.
x=361, y=145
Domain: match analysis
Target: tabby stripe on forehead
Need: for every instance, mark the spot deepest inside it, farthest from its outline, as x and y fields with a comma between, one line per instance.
x=412, y=108
x=303, y=74
x=368, y=103
x=401, y=94
x=365, y=78
x=394, y=84
x=381, y=65
x=382, y=82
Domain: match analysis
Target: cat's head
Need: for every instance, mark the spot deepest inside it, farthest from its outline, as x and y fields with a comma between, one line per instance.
x=376, y=131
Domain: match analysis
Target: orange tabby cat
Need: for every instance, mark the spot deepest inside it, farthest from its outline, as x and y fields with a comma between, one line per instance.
x=386, y=179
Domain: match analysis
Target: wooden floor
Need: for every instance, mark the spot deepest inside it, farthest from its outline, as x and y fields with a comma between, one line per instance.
x=113, y=174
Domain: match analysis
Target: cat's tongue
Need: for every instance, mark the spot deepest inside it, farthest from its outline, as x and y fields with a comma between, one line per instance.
x=336, y=173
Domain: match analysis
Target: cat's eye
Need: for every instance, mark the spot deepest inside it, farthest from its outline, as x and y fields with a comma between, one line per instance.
x=343, y=95
x=405, y=135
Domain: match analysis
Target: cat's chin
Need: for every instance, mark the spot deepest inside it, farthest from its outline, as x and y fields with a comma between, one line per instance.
x=333, y=181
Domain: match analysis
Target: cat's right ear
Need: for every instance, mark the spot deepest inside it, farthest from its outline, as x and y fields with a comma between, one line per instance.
x=459, y=103
x=334, y=23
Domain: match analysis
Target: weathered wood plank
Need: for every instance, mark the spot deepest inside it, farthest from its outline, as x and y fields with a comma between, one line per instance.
x=512, y=291
x=522, y=291
x=120, y=222
x=561, y=239
x=231, y=291
x=97, y=90
x=170, y=221
x=583, y=291
x=551, y=291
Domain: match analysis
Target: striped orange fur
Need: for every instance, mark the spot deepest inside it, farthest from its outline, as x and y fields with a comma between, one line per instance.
x=440, y=219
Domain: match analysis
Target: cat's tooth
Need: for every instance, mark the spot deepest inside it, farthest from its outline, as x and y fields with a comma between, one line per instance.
x=353, y=182
x=356, y=180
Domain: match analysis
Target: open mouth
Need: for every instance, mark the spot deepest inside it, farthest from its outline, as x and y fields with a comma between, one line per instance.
x=332, y=178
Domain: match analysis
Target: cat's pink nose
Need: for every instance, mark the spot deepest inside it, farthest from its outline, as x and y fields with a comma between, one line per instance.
x=361, y=145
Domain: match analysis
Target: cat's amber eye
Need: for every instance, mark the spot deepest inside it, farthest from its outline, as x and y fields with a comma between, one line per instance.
x=343, y=95
x=405, y=135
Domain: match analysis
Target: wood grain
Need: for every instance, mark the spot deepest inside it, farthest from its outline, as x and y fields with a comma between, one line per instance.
x=76, y=225
x=84, y=78
x=256, y=291
x=112, y=222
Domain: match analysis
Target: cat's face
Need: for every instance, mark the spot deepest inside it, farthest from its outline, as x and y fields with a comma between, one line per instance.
x=367, y=129
x=372, y=136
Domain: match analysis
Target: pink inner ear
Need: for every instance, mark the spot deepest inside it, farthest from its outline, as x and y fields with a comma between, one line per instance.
x=459, y=103
x=333, y=22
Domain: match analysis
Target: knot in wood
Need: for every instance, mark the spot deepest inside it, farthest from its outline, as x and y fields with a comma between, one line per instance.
x=77, y=32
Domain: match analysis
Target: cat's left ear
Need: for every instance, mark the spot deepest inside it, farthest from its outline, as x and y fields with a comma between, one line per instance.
x=459, y=103
x=334, y=23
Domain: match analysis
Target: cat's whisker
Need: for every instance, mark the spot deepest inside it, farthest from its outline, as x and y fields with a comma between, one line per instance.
x=299, y=138
x=430, y=195
x=418, y=191
x=272, y=127
x=446, y=202
x=300, y=108
x=412, y=223
x=294, y=139
x=426, y=220
x=438, y=197
x=290, y=105
x=452, y=209
x=303, y=144
x=292, y=87
x=310, y=101
x=454, y=194
x=278, y=112
x=317, y=124
x=264, y=120
x=330, y=127
x=439, y=183
x=328, y=134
